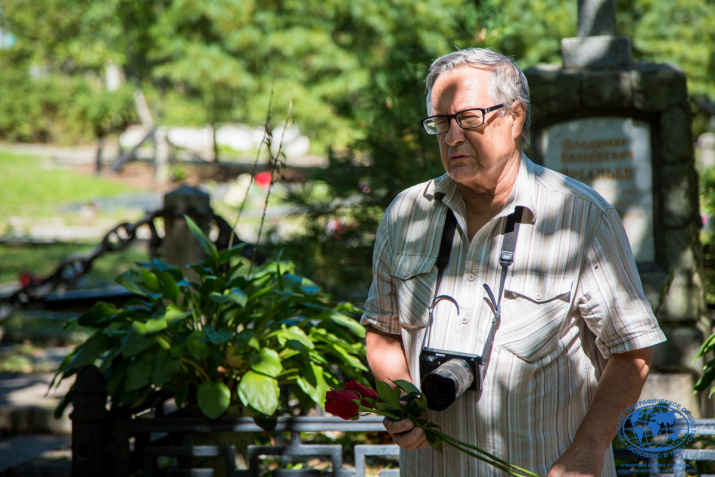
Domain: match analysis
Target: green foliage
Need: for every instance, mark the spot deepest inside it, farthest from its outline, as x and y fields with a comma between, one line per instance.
x=214, y=334
x=58, y=108
x=679, y=32
x=707, y=205
x=707, y=194
x=211, y=62
x=533, y=29
x=345, y=206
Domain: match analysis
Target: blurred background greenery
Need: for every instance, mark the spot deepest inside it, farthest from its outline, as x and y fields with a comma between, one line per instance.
x=353, y=69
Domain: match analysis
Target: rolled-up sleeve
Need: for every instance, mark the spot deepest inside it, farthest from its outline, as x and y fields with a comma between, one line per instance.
x=610, y=293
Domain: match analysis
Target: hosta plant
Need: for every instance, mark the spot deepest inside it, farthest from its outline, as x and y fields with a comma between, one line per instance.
x=220, y=332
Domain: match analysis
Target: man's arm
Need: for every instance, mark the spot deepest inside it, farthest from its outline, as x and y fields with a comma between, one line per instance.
x=386, y=358
x=619, y=387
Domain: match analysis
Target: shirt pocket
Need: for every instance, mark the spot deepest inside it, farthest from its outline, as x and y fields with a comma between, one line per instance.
x=415, y=278
x=534, y=311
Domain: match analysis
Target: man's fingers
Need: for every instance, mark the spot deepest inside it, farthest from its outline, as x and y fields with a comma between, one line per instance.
x=406, y=435
x=397, y=426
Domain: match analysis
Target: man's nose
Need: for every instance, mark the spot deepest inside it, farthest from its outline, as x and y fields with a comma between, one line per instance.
x=455, y=133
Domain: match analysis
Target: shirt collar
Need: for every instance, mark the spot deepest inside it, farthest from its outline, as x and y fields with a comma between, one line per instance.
x=444, y=189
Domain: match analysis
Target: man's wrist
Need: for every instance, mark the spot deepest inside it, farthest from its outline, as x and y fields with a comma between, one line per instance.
x=597, y=446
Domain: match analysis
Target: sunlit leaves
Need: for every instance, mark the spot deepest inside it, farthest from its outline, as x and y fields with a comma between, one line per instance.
x=259, y=392
x=222, y=334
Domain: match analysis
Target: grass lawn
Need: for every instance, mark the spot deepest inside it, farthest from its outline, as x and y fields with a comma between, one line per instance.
x=30, y=186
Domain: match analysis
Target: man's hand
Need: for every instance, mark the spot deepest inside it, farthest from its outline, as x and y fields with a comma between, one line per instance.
x=387, y=361
x=577, y=461
x=406, y=435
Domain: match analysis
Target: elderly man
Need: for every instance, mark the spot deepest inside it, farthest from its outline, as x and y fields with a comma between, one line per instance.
x=570, y=345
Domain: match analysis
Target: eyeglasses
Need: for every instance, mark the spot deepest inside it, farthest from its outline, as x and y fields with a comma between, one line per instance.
x=468, y=119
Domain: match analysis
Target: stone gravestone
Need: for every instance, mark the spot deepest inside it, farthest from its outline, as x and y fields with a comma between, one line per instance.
x=624, y=129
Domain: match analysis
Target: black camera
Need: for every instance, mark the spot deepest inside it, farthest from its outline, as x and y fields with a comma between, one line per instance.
x=445, y=375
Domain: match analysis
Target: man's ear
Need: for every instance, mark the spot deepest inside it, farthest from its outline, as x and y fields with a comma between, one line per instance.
x=518, y=112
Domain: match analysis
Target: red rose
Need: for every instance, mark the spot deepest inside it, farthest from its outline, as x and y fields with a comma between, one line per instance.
x=364, y=391
x=342, y=403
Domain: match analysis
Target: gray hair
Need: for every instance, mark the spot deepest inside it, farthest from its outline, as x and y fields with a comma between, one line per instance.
x=508, y=83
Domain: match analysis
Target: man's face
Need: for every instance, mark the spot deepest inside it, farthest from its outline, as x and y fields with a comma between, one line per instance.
x=476, y=158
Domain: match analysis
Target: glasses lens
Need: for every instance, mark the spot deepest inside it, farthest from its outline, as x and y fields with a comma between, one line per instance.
x=436, y=125
x=471, y=119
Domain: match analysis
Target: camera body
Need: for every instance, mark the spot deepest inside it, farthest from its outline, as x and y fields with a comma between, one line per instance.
x=445, y=375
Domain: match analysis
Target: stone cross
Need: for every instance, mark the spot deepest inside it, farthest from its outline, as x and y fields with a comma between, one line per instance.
x=596, y=17
x=597, y=45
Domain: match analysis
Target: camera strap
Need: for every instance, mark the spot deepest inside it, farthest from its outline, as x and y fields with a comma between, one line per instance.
x=506, y=258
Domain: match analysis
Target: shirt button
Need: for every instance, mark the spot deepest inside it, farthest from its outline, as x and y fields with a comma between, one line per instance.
x=465, y=320
x=538, y=296
x=470, y=277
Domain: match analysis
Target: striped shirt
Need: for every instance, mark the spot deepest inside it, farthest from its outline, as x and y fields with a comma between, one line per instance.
x=572, y=298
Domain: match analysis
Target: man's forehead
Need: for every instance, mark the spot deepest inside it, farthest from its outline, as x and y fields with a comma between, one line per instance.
x=461, y=86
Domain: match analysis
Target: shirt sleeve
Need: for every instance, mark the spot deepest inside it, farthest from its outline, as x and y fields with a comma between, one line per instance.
x=610, y=294
x=381, y=307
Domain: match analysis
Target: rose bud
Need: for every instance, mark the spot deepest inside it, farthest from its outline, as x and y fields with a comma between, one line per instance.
x=342, y=404
x=364, y=391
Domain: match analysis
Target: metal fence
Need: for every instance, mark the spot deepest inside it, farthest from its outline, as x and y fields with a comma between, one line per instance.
x=118, y=444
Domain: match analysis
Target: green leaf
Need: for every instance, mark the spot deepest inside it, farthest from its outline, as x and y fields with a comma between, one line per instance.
x=434, y=440
x=259, y=391
x=165, y=367
x=247, y=338
x=154, y=325
x=406, y=386
x=416, y=406
x=64, y=402
x=225, y=255
x=235, y=295
x=88, y=352
x=204, y=242
x=213, y=398
x=98, y=315
x=706, y=347
x=351, y=360
x=309, y=287
x=267, y=362
x=197, y=346
x=388, y=394
x=312, y=382
x=218, y=337
x=705, y=380
x=294, y=333
x=175, y=313
x=141, y=282
x=137, y=340
x=117, y=375
x=139, y=373
x=157, y=265
x=169, y=287
x=164, y=342
x=348, y=308
x=349, y=323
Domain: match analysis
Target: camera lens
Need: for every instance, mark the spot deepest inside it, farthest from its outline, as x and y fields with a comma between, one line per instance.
x=443, y=385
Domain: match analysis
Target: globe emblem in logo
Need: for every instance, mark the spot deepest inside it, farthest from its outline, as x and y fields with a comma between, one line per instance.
x=656, y=428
